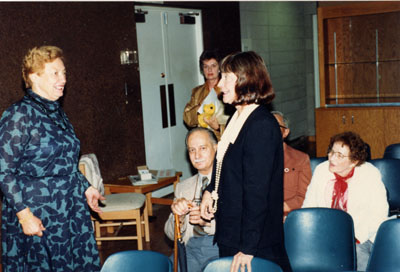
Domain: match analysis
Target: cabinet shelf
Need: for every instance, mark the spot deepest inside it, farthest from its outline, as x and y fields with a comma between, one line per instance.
x=363, y=62
x=363, y=96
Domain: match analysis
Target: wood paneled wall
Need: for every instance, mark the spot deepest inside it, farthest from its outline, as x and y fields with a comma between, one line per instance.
x=108, y=122
x=91, y=35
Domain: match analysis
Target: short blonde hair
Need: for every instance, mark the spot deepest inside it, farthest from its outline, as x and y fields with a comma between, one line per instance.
x=36, y=58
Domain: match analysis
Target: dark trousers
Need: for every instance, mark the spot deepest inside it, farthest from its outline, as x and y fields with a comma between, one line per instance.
x=276, y=254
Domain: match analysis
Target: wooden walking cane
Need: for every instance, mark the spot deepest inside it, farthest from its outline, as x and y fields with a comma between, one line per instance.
x=176, y=234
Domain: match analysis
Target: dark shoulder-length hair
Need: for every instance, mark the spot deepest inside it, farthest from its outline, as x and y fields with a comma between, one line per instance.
x=358, y=148
x=207, y=55
x=253, y=83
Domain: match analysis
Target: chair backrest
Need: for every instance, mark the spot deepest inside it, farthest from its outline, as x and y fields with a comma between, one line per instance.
x=320, y=239
x=390, y=171
x=385, y=255
x=137, y=260
x=315, y=161
x=92, y=171
x=257, y=265
x=392, y=151
x=368, y=149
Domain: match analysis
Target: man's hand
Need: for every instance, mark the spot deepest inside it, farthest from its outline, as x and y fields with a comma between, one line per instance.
x=92, y=197
x=181, y=206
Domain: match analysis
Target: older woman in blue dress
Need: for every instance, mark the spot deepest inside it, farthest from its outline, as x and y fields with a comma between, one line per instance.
x=45, y=217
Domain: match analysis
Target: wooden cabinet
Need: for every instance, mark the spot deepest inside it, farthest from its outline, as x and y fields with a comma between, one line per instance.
x=359, y=62
x=369, y=122
x=378, y=126
x=359, y=53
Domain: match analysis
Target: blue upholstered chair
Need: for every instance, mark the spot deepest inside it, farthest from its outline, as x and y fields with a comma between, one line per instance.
x=257, y=265
x=315, y=161
x=392, y=151
x=320, y=239
x=386, y=250
x=137, y=260
x=390, y=171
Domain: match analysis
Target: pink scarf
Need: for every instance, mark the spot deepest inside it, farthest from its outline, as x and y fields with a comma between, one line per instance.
x=339, y=196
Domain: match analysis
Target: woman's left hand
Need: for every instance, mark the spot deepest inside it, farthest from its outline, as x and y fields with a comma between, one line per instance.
x=195, y=217
x=240, y=261
x=92, y=197
x=206, y=206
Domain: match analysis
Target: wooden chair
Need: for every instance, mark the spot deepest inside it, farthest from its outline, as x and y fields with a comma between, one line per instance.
x=121, y=210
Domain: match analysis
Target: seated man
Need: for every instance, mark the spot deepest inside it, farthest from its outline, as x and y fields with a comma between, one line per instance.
x=196, y=233
x=297, y=170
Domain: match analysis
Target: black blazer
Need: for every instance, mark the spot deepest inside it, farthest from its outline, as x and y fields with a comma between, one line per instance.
x=250, y=206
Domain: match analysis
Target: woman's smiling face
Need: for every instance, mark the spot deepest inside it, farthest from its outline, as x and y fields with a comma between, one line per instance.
x=227, y=84
x=50, y=82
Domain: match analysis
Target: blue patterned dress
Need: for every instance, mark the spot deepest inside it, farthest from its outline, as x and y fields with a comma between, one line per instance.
x=39, y=154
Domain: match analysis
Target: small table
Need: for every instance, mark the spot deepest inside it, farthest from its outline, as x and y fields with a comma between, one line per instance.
x=124, y=185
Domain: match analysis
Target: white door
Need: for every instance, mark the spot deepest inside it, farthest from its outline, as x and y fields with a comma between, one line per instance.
x=168, y=62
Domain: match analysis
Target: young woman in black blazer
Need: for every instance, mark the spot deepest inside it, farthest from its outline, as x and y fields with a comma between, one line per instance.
x=246, y=192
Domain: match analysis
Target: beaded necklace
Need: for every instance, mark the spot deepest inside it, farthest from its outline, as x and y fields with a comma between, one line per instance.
x=229, y=136
x=214, y=193
x=47, y=112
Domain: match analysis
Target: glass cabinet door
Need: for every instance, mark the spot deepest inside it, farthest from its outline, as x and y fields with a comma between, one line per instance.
x=362, y=59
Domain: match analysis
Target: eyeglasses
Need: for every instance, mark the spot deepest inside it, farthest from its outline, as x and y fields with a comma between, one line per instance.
x=339, y=155
x=282, y=126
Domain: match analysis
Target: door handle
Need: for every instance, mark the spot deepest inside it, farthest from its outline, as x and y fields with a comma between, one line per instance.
x=171, y=98
x=163, y=99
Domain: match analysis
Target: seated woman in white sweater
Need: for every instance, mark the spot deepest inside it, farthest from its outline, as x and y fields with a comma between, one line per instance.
x=349, y=183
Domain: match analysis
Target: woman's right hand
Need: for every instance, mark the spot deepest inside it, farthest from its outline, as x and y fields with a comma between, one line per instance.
x=212, y=122
x=31, y=225
x=206, y=206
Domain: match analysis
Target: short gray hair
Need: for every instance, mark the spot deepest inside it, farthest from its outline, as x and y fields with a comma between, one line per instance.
x=286, y=121
x=211, y=135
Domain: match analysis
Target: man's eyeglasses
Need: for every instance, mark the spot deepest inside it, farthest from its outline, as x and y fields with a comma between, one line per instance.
x=339, y=155
x=282, y=126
